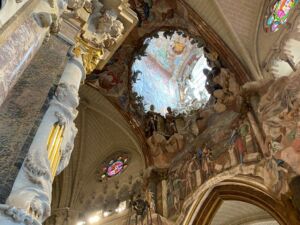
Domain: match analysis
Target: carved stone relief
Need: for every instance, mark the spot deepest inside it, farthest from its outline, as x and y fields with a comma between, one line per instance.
x=32, y=190
x=279, y=113
x=282, y=59
x=18, y=215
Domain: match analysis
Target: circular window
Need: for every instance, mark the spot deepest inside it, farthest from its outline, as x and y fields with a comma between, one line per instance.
x=114, y=166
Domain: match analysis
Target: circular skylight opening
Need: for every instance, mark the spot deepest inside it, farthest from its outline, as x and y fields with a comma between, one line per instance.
x=170, y=73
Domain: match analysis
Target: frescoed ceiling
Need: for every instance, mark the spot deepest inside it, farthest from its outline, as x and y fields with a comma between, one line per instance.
x=170, y=74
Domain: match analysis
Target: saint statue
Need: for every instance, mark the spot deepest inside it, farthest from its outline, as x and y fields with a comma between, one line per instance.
x=151, y=121
x=170, y=122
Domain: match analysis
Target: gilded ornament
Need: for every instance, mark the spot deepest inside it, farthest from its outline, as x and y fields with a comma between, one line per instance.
x=54, y=144
x=91, y=56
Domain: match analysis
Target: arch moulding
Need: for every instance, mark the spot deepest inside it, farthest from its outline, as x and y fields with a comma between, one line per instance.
x=208, y=202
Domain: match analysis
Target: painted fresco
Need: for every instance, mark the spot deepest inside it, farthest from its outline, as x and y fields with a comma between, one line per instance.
x=229, y=144
x=170, y=74
x=221, y=138
x=280, y=115
x=113, y=79
x=170, y=52
x=152, y=16
x=155, y=86
x=16, y=53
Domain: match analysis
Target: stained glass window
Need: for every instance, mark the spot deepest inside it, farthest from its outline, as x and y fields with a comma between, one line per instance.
x=278, y=14
x=114, y=167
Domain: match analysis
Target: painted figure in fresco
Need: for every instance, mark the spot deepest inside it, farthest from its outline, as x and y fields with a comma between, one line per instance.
x=225, y=161
x=279, y=112
x=147, y=7
x=170, y=123
x=177, y=184
x=143, y=10
x=291, y=154
x=151, y=121
x=191, y=168
x=123, y=100
x=199, y=155
x=207, y=164
x=170, y=197
x=108, y=80
x=275, y=177
x=238, y=142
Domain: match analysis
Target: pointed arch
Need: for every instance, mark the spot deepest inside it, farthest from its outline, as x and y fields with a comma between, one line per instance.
x=239, y=189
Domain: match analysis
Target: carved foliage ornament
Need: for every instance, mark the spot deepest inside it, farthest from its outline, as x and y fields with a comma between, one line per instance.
x=35, y=169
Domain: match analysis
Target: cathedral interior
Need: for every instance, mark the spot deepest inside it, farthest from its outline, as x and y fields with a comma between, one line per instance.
x=149, y=112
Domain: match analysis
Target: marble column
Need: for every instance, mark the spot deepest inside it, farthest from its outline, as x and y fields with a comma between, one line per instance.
x=30, y=199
